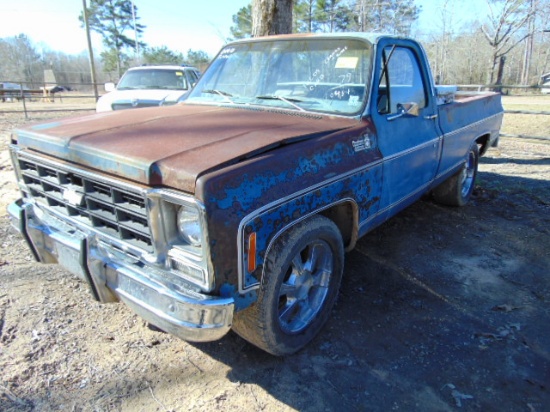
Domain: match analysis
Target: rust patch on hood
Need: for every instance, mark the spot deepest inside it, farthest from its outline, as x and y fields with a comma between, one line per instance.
x=171, y=146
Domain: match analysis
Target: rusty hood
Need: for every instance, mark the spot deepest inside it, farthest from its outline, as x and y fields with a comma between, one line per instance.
x=172, y=146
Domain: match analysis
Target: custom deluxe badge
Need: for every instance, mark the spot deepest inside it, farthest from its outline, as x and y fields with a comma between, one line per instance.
x=365, y=143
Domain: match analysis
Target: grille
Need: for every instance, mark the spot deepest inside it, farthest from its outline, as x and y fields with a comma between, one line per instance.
x=118, y=212
x=139, y=104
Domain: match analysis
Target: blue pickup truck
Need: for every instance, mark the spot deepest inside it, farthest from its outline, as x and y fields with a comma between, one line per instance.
x=234, y=208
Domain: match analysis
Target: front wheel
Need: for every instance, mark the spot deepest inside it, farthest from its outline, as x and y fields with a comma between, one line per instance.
x=301, y=279
x=457, y=190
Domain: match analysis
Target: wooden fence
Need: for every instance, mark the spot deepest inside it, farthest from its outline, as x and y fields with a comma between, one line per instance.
x=46, y=98
x=48, y=94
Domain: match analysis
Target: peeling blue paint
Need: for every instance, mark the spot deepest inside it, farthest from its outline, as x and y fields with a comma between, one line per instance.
x=249, y=190
x=294, y=179
x=270, y=222
x=242, y=301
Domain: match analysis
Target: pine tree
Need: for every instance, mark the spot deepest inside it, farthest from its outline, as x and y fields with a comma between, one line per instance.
x=113, y=19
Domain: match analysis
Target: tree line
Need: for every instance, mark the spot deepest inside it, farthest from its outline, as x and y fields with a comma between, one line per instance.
x=388, y=16
x=509, y=44
x=117, y=21
x=23, y=62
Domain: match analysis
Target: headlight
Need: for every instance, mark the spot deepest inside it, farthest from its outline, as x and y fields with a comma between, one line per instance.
x=181, y=238
x=189, y=226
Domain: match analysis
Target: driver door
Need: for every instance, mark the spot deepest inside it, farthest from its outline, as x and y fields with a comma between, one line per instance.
x=405, y=114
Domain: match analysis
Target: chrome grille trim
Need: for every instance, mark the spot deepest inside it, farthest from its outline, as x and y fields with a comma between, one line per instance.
x=118, y=210
x=130, y=105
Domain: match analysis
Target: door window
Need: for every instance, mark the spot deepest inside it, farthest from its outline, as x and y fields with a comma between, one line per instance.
x=401, y=80
x=192, y=77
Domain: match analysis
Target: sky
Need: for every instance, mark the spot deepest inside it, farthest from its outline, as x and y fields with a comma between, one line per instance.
x=178, y=24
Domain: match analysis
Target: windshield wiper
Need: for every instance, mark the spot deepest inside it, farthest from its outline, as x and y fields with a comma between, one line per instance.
x=221, y=93
x=287, y=100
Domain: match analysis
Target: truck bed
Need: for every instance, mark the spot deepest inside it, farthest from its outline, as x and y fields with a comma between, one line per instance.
x=469, y=109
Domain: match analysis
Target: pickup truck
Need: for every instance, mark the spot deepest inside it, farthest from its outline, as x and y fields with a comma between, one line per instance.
x=234, y=208
x=148, y=86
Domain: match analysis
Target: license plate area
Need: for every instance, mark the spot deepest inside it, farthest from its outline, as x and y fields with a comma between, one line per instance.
x=71, y=257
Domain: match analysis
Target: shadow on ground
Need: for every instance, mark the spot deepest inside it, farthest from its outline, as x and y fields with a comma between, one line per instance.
x=440, y=308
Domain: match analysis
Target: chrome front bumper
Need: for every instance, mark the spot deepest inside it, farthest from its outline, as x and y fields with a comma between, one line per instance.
x=112, y=276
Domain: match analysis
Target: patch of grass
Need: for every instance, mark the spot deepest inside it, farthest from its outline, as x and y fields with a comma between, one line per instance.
x=526, y=124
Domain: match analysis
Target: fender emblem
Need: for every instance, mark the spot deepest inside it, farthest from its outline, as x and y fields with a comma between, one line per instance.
x=365, y=143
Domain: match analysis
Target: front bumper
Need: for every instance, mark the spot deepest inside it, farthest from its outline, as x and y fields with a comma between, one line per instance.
x=114, y=276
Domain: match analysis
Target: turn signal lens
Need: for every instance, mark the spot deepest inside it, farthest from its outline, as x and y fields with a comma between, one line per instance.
x=252, y=252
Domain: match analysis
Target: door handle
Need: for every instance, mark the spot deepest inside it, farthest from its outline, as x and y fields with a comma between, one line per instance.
x=431, y=117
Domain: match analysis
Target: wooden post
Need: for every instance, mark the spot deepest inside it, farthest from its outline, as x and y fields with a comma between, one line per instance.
x=23, y=99
x=500, y=73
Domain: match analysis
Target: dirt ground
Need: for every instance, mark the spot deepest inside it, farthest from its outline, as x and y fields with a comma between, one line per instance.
x=441, y=309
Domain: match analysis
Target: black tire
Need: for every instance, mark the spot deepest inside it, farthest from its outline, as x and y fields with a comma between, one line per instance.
x=300, y=284
x=457, y=190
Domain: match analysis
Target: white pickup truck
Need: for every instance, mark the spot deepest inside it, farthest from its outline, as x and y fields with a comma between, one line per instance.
x=148, y=86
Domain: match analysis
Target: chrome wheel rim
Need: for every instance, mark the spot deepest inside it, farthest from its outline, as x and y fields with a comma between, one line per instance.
x=468, y=175
x=305, y=286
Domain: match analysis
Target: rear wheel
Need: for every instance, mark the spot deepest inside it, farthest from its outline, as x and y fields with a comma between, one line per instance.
x=457, y=190
x=301, y=279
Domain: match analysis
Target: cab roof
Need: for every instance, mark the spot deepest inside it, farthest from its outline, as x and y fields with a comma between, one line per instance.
x=370, y=37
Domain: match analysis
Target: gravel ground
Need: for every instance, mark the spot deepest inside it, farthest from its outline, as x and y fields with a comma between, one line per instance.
x=441, y=309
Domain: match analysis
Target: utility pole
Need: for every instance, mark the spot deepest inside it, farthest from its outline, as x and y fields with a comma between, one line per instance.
x=135, y=33
x=528, y=45
x=90, y=50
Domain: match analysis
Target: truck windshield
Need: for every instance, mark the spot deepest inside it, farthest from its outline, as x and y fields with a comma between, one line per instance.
x=320, y=75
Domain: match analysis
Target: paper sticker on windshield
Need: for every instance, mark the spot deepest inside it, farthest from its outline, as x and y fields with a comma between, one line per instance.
x=346, y=62
x=179, y=73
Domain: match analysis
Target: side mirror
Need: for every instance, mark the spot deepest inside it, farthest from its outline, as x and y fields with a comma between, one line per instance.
x=109, y=87
x=405, y=109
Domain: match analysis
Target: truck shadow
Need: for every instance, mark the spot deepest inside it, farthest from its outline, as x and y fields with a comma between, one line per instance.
x=426, y=315
x=545, y=161
x=439, y=308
